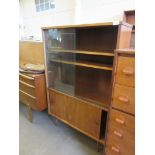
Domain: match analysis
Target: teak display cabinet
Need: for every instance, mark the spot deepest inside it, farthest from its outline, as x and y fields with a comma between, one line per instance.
x=79, y=64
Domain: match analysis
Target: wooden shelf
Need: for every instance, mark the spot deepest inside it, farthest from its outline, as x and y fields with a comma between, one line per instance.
x=84, y=64
x=104, y=53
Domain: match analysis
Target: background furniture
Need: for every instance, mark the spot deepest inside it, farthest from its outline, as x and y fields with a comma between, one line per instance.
x=32, y=91
x=79, y=64
x=32, y=87
x=31, y=52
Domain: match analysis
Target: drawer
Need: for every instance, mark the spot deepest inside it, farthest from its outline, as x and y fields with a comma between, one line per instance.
x=124, y=98
x=122, y=136
x=116, y=147
x=27, y=99
x=125, y=72
x=30, y=89
x=122, y=120
x=27, y=79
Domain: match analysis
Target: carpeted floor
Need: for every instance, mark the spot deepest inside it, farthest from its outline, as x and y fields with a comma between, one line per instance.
x=45, y=136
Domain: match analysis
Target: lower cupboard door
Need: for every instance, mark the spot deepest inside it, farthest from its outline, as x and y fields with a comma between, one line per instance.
x=83, y=116
x=76, y=113
x=57, y=104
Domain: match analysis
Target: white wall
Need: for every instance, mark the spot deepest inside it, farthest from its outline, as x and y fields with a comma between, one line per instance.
x=70, y=12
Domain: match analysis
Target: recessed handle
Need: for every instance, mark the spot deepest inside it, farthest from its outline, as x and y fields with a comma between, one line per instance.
x=128, y=71
x=115, y=149
x=124, y=99
x=117, y=133
x=120, y=121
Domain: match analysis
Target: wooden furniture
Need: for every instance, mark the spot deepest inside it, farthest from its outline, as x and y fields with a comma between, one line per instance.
x=120, y=131
x=129, y=17
x=31, y=52
x=32, y=87
x=32, y=92
x=120, y=138
x=79, y=64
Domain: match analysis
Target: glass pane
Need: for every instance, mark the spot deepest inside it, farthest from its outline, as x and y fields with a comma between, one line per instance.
x=62, y=77
x=73, y=73
x=60, y=39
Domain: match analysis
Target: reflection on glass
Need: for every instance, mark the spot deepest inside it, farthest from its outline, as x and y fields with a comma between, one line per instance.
x=70, y=72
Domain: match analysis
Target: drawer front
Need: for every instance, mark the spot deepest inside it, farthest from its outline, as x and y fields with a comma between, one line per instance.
x=123, y=121
x=27, y=99
x=125, y=73
x=120, y=141
x=124, y=98
x=115, y=147
x=121, y=135
x=27, y=79
x=30, y=89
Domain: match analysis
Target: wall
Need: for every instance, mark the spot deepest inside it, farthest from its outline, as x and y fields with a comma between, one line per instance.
x=70, y=12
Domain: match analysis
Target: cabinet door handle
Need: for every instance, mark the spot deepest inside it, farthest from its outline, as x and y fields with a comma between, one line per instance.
x=118, y=134
x=128, y=71
x=120, y=121
x=115, y=149
x=123, y=99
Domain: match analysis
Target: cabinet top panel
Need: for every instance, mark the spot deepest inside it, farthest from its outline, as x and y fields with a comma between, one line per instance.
x=89, y=25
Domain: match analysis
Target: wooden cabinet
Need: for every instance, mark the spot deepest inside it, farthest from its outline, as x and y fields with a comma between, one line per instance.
x=32, y=91
x=120, y=138
x=79, y=64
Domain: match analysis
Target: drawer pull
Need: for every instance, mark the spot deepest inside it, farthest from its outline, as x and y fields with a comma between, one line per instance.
x=118, y=134
x=123, y=99
x=128, y=71
x=115, y=149
x=119, y=121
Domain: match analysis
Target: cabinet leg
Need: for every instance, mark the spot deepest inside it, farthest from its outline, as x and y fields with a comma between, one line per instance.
x=30, y=113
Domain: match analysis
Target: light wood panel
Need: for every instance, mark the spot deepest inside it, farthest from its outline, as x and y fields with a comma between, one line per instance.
x=31, y=52
x=85, y=64
x=124, y=37
x=125, y=73
x=103, y=53
x=83, y=116
x=124, y=98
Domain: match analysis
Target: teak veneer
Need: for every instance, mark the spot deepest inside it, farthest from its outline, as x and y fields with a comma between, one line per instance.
x=79, y=69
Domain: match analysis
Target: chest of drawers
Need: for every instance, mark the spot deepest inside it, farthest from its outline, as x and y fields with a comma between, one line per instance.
x=120, y=138
x=32, y=91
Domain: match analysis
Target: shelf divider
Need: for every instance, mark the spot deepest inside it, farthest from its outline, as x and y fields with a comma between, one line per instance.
x=84, y=64
x=104, y=53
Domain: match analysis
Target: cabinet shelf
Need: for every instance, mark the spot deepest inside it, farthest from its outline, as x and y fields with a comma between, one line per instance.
x=84, y=64
x=104, y=53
